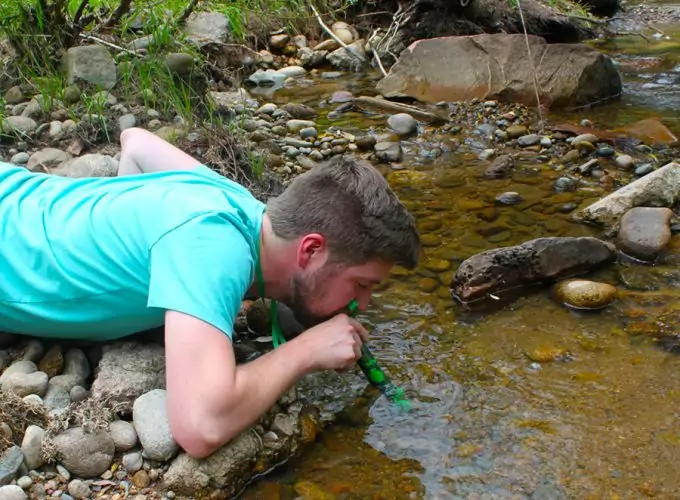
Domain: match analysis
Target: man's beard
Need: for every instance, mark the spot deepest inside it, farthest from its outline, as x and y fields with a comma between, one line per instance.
x=305, y=289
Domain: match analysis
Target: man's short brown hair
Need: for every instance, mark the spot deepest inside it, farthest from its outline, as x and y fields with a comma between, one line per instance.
x=349, y=202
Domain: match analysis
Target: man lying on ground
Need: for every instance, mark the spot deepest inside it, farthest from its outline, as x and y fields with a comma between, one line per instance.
x=179, y=247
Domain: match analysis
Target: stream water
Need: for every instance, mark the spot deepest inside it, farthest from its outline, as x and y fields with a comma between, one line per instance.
x=601, y=422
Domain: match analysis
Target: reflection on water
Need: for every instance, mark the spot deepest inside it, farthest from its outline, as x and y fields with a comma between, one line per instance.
x=602, y=422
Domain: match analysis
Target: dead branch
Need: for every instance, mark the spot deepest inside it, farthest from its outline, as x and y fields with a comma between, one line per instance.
x=79, y=13
x=187, y=12
x=123, y=8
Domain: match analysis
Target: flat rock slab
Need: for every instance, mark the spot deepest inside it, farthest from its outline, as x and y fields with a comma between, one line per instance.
x=531, y=263
x=376, y=104
x=656, y=189
x=496, y=66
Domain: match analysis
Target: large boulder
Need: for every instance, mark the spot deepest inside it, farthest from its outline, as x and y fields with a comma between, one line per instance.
x=496, y=66
x=92, y=64
x=531, y=263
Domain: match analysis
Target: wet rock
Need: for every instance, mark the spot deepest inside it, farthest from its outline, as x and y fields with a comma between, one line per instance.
x=516, y=131
x=85, y=454
x=389, y=152
x=585, y=294
x=127, y=370
x=533, y=262
x=509, y=198
x=651, y=131
x=10, y=462
x=528, y=140
x=572, y=156
x=366, y=142
x=625, y=162
x=207, y=28
x=299, y=111
x=657, y=189
x=645, y=169
x=501, y=167
x=645, y=232
x=591, y=138
x=403, y=124
x=487, y=66
x=150, y=418
x=89, y=165
x=31, y=446
x=546, y=354
x=92, y=64
x=123, y=434
x=267, y=78
x=19, y=125
x=12, y=492
x=310, y=58
x=23, y=384
x=564, y=184
x=605, y=151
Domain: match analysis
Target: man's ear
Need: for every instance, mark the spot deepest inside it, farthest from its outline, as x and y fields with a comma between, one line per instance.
x=312, y=247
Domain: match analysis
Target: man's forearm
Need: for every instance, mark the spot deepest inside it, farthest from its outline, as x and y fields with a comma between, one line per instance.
x=257, y=386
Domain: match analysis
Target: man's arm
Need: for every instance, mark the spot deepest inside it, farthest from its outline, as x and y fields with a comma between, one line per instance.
x=211, y=400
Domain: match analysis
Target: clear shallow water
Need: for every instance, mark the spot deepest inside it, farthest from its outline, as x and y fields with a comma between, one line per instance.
x=600, y=422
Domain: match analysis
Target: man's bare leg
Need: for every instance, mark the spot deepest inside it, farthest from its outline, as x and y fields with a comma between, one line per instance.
x=143, y=152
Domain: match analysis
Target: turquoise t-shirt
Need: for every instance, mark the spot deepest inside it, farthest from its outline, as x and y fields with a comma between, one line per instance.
x=101, y=258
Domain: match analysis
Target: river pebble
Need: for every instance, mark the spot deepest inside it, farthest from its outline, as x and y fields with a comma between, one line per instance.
x=150, y=418
x=403, y=124
x=528, y=140
x=12, y=492
x=509, y=198
x=625, y=162
x=605, y=151
x=585, y=294
x=645, y=169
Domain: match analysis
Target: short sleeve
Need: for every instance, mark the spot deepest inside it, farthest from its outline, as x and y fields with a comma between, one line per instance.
x=201, y=268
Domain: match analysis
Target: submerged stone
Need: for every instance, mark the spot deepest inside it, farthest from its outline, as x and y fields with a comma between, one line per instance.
x=585, y=294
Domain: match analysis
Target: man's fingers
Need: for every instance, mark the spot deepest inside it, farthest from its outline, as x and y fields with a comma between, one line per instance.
x=357, y=345
x=359, y=328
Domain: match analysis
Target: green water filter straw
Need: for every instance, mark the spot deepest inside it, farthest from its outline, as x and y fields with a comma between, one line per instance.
x=376, y=376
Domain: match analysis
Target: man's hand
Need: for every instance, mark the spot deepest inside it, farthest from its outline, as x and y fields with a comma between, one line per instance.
x=334, y=344
x=211, y=400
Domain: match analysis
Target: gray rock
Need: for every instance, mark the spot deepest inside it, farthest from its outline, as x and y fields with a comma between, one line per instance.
x=297, y=143
x=563, y=184
x=127, y=370
x=388, y=152
x=179, y=63
x=14, y=95
x=310, y=58
x=33, y=351
x=509, y=198
x=18, y=125
x=24, y=482
x=308, y=133
x=285, y=424
x=267, y=109
x=56, y=129
x=532, y=262
x=10, y=462
x=12, y=492
x=297, y=125
x=31, y=446
x=67, y=381
x=645, y=232
x=20, y=158
x=293, y=71
x=123, y=434
x=78, y=489
x=644, y=169
x=46, y=159
x=23, y=384
x=403, y=124
x=227, y=100
x=625, y=162
x=85, y=454
x=78, y=393
x=127, y=121
x=92, y=64
x=89, y=165
x=501, y=167
x=342, y=59
x=222, y=470
x=33, y=399
x=591, y=138
x=267, y=78
x=150, y=418
x=207, y=28
x=546, y=142
x=21, y=366
x=57, y=397
x=528, y=140
x=35, y=108
x=657, y=189
x=133, y=461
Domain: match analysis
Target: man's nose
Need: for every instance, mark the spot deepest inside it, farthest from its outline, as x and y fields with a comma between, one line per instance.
x=363, y=300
